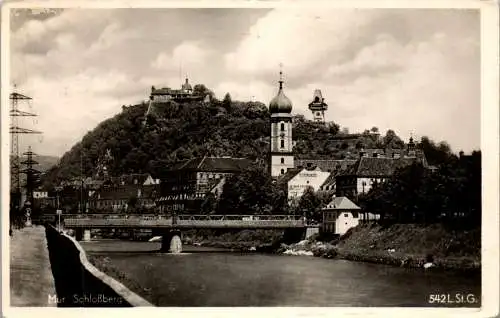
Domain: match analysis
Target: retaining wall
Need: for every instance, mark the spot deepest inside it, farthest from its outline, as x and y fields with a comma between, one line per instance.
x=80, y=284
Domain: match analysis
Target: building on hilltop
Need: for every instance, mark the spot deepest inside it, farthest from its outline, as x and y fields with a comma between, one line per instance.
x=318, y=106
x=165, y=94
x=185, y=186
x=281, y=154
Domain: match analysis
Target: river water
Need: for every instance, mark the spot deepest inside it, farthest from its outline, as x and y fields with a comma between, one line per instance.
x=212, y=277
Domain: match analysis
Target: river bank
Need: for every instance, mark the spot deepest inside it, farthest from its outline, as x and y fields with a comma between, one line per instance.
x=404, y=245
x=267, y=241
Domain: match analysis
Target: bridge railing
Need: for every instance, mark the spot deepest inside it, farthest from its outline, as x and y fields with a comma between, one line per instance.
x=238, y=217
x=183, y=220
x=184, y=217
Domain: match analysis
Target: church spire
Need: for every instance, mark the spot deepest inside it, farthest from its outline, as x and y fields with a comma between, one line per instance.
x=281, y=76
x=280, y=103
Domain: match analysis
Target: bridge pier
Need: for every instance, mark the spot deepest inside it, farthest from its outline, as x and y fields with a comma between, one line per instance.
x=294, y=235
x=78, y=234
x=310, y=231
x=86, y=234
x=171, y=242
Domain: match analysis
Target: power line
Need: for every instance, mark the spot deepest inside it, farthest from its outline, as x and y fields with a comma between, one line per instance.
x=15, y=131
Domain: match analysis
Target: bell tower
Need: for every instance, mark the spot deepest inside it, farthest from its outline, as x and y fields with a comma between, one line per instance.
x=280, y=108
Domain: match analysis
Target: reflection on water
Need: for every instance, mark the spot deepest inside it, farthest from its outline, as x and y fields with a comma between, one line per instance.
x=211, y=277
x=175, y=245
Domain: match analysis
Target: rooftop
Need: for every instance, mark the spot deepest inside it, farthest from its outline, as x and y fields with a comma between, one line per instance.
x=125, y=192
x=378, y=166
x=289, y=174
x=341, y=203
x=334, y=166
x=213, y=164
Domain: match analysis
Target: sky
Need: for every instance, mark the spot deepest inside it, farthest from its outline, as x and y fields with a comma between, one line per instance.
x=416, y=71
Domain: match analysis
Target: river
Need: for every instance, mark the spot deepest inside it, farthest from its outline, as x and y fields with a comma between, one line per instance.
x=213, y=277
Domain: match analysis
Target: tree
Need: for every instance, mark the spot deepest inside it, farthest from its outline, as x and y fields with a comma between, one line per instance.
x=202, y=91
x=374, y=130
x=417, y=195
x=226, y=103
x=309, y=205
x=209, y=204
x=391, y=140
x=435, y=154
x=333, y=128
x=252, y=192
x=132, y=203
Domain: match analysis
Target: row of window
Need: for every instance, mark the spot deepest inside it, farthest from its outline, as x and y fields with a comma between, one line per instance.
x=110, y=203
x=174, y=207
x=211, y=175
x=333, y=216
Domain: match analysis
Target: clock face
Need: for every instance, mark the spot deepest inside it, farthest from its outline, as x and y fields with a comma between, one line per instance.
x=282, y=135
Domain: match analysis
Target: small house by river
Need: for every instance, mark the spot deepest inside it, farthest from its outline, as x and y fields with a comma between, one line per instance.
x=340, y=215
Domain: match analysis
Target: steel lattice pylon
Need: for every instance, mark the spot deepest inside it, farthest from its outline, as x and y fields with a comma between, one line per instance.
x=31, y=174
x=15, y=130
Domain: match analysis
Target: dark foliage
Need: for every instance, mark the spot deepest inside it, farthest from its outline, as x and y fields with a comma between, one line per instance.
x=177, y=131
x=252, y=192
x=450, y=195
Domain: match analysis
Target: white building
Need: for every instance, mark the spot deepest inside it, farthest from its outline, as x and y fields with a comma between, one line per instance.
x=340, y=215
x=150, y=181
x=40, y=194
x=306, y=178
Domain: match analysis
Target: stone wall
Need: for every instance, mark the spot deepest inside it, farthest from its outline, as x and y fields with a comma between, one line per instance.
x=78, y=283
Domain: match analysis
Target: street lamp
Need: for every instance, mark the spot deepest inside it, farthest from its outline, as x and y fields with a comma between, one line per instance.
x=59, y=212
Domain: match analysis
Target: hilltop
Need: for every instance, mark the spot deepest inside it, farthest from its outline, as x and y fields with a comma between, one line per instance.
x=177, y=131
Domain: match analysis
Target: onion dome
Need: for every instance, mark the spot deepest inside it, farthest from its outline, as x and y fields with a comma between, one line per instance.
x=280, y=103
x=186, y=86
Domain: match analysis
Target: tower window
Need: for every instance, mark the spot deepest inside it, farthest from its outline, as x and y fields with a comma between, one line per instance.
x=282, y=160
x=282, y=143
x=282, y=171
x=282, y=127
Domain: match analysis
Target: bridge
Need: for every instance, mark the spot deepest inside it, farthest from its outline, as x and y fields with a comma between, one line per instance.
x=170, y=226
x=184, y=221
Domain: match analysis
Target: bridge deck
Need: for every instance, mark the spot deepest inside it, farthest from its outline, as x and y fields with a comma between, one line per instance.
x=185, y=221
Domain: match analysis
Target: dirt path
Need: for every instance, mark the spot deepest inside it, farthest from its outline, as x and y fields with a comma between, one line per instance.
x=31, y=280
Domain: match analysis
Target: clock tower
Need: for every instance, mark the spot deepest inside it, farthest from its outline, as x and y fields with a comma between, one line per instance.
x=280, y=108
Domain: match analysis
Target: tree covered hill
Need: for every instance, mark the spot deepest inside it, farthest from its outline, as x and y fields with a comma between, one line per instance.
x=177, y=131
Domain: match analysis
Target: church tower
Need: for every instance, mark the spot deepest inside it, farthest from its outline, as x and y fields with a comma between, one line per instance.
x=280, y=108
x=318, y=107
x=411, y=148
